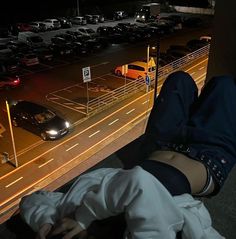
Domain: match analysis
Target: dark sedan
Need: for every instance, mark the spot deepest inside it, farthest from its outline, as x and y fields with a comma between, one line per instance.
x=38, y=120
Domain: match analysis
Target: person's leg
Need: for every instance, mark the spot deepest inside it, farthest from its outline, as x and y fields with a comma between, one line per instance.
x=171, y=110
x=214, y=119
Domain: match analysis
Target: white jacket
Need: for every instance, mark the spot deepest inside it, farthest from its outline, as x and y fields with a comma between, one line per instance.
x=150, y=211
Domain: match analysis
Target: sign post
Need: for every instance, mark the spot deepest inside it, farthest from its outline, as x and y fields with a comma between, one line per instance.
x=147, y=81
x=86, y=72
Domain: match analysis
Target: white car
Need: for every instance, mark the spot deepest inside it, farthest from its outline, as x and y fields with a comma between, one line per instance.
x=39, y=26
x=86, y=31
x=52, y=24
x=78, y=20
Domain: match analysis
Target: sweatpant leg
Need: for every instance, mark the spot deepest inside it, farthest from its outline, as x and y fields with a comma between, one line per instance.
x=150, y=210
x=172, y=109
x=214, y=117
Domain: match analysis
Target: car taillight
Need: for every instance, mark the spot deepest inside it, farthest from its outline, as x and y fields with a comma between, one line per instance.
x=16, y=81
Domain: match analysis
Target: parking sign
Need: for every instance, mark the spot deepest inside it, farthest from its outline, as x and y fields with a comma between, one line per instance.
x=86, y=74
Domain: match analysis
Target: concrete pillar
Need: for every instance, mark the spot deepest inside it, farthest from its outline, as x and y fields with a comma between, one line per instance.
x=222, y=57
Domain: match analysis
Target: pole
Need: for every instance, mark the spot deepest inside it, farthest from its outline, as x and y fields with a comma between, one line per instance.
x=157, y=67
x=77, y=7
x=148, y=49
x=12, y=136
x=87, y=97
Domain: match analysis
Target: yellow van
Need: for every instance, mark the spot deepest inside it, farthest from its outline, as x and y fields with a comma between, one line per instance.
x=137, y=70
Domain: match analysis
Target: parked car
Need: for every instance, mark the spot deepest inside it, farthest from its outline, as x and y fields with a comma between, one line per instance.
x=86, y=31
x=137, y=70
x=52, y=24
x=28, y=59
x=90, y=19
x=38, y=26
x=77, y=42
x=206, y=39
x=113, y=34
x=195, y=44
x=65, y=23
x=9, y=81
x=38, y=120
x=99, y=17
x=32, y=39
x=60, y=46
x=18, y=46
x=179, y=51
x=78, y=20
x=5, y=51
x=22, y=27
x=9, y=64
x=119, y=15
x=43, y=54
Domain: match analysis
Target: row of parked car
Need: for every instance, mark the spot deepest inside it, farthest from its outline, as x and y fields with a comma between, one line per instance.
x=57, y=23
x=30, y=48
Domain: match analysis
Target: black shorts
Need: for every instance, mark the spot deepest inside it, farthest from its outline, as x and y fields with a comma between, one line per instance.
x=172, y=178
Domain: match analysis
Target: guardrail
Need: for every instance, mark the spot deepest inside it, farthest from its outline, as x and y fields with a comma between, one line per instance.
x=100, y=103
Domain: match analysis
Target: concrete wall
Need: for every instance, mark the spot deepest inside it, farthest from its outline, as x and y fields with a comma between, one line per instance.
x=222, y=57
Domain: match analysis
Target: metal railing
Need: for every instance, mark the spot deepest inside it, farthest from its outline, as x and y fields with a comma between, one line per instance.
x=100, y=103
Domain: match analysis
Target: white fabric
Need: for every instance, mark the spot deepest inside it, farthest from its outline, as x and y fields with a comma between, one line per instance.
x=151, y=212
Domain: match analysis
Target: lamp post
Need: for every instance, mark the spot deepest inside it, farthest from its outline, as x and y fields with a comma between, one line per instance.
x=77, y=7
x=157, y=68
x=11, y=131
x=147, y=84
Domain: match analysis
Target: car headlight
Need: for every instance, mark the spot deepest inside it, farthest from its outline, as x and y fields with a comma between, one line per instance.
x=67, y=124
x=143, y=17
x=52, y=132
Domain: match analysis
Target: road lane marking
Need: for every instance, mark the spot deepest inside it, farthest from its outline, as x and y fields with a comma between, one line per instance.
x=130, y=111
x=10, y=184
x=91, y=135
x=201, y=76
x=72, y=147
x=196, y=65
x=114, y=121
x=145, y=102
x=42, y=165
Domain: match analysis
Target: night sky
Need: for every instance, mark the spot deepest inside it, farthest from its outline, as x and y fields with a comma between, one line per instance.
x=28, y=10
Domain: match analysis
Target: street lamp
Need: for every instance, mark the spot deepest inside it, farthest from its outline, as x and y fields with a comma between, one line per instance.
x=157, y=54
x=157, y=68
x=77, y=7
x=147, y=75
